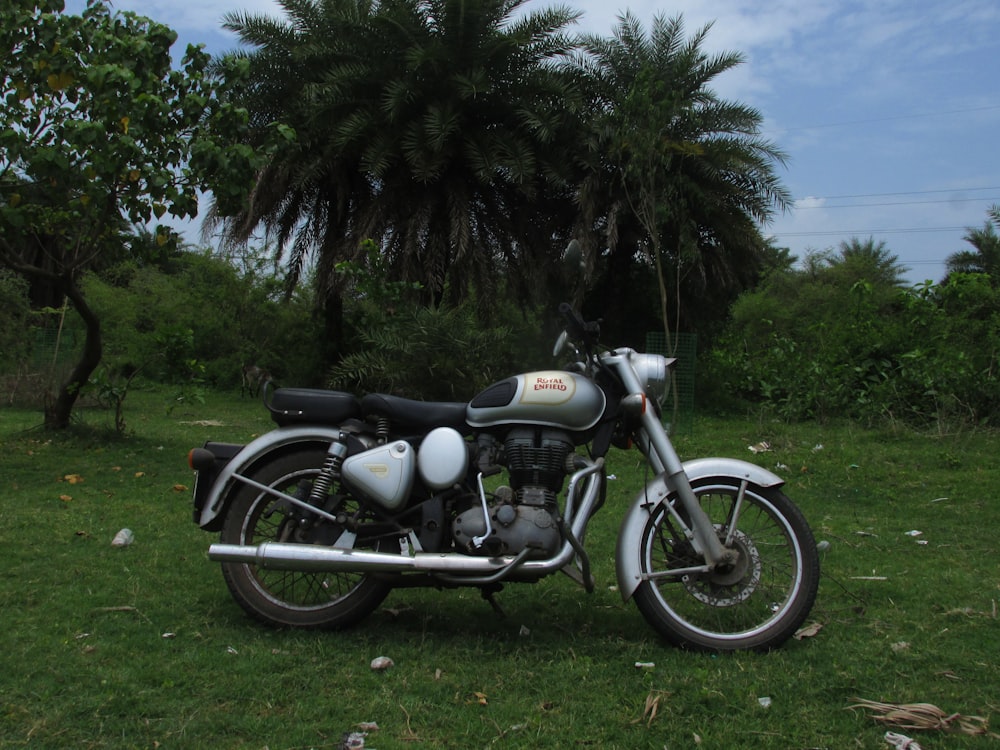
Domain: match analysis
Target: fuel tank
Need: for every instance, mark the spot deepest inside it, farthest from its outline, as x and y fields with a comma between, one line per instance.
x=551, y=398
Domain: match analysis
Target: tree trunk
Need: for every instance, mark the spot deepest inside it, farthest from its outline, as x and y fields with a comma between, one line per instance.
x=58, y=413
x=332, y=309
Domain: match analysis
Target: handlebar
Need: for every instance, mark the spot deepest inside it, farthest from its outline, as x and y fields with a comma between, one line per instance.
x=578, y=329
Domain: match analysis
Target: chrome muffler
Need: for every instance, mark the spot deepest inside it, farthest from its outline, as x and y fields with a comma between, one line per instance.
x=315, y=558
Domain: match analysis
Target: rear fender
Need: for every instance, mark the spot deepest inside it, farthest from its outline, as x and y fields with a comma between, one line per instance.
x=276, y=441
x=628, y=551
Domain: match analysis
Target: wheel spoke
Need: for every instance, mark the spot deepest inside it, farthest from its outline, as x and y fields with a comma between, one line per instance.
x=289, y=597
x=753, y=600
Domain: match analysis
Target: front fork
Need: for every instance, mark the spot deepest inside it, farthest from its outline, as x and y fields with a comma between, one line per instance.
x=698, y=529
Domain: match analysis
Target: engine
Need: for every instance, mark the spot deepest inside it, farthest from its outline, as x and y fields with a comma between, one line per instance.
x=525, y=514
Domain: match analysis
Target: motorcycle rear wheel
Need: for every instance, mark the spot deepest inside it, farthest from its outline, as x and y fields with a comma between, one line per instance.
x=286, y=598
x=755, y=604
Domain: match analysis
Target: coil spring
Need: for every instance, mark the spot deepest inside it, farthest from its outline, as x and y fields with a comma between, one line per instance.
x=329, y=472
x=382, y=431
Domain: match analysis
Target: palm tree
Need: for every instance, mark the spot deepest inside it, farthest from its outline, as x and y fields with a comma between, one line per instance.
x=430, y=126
x=679, y=177
x=868, y=261
x=985, y=258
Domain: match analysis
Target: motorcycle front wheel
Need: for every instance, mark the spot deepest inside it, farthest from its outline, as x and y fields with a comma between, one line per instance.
x=755, y=603
x=288, y=598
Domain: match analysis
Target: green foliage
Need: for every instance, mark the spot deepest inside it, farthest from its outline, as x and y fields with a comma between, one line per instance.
x=397, y=345
x=676, y=176
x=444, y=354
x=437, y=128
x=370, y=292
x=98, y=128
x=195, y=307
x=15, y=313
x=96, y=123
x=985, y=255
x=842, y=338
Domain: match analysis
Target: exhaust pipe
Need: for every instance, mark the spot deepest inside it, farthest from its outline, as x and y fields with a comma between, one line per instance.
x=315, y=558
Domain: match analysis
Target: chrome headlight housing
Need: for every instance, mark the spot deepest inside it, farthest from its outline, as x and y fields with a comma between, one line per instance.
x=654, y=374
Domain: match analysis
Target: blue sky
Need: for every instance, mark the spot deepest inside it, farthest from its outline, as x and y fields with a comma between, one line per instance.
x=889, y=110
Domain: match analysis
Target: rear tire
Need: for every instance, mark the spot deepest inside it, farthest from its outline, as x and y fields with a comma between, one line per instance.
x=287, y=598
x=756, y=604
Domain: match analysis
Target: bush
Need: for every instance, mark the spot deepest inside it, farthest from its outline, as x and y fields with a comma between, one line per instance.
x=927, y=355
x=224, y=316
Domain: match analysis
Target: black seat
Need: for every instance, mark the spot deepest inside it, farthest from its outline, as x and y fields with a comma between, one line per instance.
x=312, y=406
x=409, y=413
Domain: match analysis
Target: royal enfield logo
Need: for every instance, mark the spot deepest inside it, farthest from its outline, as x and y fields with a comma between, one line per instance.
x=550, y=384
x=550, y=388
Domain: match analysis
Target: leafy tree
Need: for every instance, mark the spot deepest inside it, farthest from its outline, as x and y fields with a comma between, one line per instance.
x=679, y=178
x=985, y=255
x=436, y=129
x=96, y=129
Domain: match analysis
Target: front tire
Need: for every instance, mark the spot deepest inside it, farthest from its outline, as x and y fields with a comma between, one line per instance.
x=288, y=598
x=756, y=603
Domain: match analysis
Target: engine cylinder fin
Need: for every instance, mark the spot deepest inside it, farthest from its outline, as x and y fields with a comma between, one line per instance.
x=536, y=459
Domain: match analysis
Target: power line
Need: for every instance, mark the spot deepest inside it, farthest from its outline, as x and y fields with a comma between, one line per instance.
x=906, y=230
x=895, y=203
x=907, y=192
x=889, y=118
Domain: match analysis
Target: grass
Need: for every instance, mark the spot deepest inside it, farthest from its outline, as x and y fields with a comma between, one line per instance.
x=141, y=647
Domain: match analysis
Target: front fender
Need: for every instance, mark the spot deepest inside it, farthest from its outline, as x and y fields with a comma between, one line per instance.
x=274, y=441
x=628, y=551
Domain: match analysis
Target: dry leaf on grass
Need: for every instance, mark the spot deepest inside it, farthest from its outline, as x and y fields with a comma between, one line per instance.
x=924, y=716
x=808, y=631
x=652, y=707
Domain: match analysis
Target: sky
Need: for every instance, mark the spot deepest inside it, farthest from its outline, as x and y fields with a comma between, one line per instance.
x=888, y=110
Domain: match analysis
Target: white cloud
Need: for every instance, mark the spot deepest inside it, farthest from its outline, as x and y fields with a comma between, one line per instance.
x=810, y=202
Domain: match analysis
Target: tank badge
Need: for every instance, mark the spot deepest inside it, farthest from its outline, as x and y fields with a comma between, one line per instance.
x=548, y=388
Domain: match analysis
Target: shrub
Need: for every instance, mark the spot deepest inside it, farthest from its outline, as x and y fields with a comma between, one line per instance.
x=926, y=355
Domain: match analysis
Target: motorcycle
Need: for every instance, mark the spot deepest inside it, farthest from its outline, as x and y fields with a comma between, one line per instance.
x=350, y=497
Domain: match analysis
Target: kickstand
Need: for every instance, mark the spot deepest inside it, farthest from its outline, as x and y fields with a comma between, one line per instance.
x=487, y=593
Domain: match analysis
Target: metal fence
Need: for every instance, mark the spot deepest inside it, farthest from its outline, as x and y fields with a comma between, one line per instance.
x=52, y=348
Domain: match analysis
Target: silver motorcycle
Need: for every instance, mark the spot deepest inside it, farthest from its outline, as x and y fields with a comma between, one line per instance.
x=350, y=497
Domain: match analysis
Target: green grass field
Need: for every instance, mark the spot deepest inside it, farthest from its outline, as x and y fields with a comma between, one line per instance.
x=142, y=647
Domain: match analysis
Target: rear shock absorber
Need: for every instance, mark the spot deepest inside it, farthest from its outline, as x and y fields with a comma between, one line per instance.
x=330, y=471
x=382, y=431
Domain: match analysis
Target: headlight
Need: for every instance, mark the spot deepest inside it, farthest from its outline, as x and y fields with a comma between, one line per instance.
x=654, y=374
